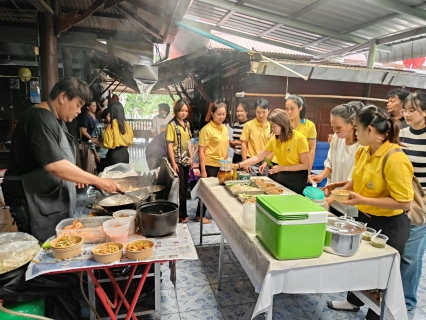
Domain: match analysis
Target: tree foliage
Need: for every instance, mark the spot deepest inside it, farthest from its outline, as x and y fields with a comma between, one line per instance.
x=136, y=108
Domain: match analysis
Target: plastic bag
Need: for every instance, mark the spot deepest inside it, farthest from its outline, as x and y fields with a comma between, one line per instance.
x=16, y=249
x=119, y=170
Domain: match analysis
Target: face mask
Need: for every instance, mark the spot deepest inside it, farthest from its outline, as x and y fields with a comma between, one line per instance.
x=343, y=135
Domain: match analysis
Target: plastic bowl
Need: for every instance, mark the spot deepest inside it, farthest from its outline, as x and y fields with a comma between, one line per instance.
x=78, y=240
x=379, y=241
x=367, y=234
x=274, y=191
x=129, y=215
x=108, y=257
x=117, y=230
x=140, y=255
x=60, y=254
x=340, y=195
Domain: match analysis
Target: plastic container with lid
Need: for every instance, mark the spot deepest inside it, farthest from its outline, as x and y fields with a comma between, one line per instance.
x=117, y=230
x=316, y=195
x=129, y=215
x=249, y=216
x=92, y=231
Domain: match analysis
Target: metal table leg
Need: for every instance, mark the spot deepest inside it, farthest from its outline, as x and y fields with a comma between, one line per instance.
x=383, y=306
x=269, y=312
x=201, y=221
x=157, y=281
x=219, y=283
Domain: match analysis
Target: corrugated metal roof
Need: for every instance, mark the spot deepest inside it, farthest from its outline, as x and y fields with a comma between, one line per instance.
x=365, y=20
x=249, y=44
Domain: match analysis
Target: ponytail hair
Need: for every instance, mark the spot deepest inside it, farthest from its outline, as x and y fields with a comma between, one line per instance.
x=379, y=120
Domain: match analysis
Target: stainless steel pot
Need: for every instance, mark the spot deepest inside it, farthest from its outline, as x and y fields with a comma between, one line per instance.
x=343, y=236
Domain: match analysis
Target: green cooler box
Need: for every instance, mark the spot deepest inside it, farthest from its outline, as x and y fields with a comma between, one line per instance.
x=291, y=226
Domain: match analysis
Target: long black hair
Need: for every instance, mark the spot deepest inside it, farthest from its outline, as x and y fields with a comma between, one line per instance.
x=379, y=120
x=300, y=102
x=116, y=111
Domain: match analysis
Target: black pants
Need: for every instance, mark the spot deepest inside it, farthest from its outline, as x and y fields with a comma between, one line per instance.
x=117, y=155
x=397, y=228
x=211, y=172
x=237, y=158
x=294, y=180
x=21, y=216
x=100, y=166
x=183, y=190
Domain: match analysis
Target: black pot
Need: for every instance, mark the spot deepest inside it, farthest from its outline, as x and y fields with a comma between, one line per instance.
x=152, y=223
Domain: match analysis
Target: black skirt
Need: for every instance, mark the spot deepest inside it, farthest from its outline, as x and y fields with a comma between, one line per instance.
x=117, y=155
x=294, y=180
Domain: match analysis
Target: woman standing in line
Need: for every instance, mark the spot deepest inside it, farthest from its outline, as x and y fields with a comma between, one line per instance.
x=118, y=136
x=414, y=140
x=290, y=148
x=213, y=146
x=241, y=113
x=98, y=138
x=381, y=200
x=179, y=151
x=295, y=106
x=87, y=124
x=340, y=160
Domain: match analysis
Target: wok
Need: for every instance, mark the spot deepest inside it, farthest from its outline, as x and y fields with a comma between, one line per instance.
x=120, y=202
x=129, y=183
x=154, y=188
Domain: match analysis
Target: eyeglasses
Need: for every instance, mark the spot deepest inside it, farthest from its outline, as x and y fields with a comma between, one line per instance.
x=410, y=112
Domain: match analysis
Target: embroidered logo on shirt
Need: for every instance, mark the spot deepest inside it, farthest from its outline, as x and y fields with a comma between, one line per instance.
x=370, y=185
x=288, y=150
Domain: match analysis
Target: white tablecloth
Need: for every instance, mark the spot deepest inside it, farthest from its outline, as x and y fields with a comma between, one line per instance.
x=370, y=268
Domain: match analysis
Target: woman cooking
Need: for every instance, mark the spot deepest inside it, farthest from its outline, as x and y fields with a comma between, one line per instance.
x=381, y=194
x=340, y=160
x=290, y=148
x=213, y=146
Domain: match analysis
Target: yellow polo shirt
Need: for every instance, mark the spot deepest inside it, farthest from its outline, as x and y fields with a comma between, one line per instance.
x=256, y=136
x=216, y=142
x=307, y=128
x=287, y=153
x=368, y=179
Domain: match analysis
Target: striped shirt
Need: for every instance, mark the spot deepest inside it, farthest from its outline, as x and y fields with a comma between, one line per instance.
x=238, y=129
x=414, y=142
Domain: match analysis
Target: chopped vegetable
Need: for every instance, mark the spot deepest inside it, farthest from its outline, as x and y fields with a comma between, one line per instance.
x=46, y=245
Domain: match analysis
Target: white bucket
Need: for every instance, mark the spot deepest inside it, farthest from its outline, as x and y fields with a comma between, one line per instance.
x=128, y=215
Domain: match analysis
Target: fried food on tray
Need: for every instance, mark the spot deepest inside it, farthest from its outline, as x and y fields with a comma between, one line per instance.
x=106, y=248
x=138, y=246
x=76, y=224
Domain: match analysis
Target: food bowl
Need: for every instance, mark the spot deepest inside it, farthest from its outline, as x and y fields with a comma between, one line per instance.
x=129, y=215
x=340, y=195
x=135, y=250
x=66, y=254
x=66, y=243
x=368, y=233
x=108, y=252
x=117, y=230
x=379, y=241
x=274, y=191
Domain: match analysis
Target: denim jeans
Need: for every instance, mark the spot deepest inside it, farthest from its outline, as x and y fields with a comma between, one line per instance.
x=412, y=263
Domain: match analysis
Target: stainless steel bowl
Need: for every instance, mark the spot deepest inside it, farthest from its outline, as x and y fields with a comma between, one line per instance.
x=343, y=236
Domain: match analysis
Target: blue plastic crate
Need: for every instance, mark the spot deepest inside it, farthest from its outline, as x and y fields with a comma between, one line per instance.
x=321, y=152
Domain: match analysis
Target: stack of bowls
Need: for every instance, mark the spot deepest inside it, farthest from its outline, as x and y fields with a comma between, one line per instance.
x=129, y=215
x=69, y=251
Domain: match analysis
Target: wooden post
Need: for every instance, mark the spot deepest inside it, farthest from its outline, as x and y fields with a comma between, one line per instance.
x=67, y=62
x=48, y=55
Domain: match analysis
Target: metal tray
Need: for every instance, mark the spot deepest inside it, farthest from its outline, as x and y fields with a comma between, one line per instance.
x=247, y=182
x=243, y=200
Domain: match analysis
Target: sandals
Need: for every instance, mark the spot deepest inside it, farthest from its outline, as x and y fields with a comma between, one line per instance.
x=330, y=306
x=205, y=220
x=183, y=220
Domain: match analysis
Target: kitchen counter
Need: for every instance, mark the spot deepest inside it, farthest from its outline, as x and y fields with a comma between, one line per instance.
x=368, y=269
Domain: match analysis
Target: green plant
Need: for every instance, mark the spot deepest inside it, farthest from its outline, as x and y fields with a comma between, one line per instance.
x=136, y=108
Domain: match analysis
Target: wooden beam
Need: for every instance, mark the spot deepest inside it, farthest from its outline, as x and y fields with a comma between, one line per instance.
x=199, y=86
x=41, y=6
x=70, y=18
